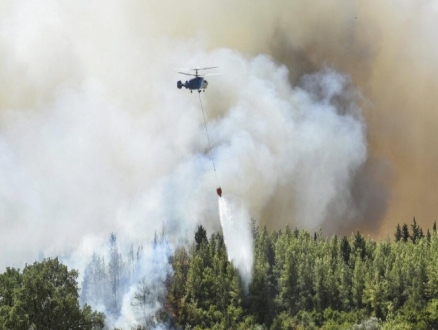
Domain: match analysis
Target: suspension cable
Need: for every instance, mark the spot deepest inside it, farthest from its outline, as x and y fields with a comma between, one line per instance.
x=208, y=137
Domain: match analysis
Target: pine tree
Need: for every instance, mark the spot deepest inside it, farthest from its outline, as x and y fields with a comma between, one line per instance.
x=234, y=312
x=416, y=233
x=421, y=233
x=345, y=250
x=94, y=282
x=296, y=232
x=398, y=233
x=344, y=277
x=115, y=273
x=200, y=237
x=139, y=252
x=358, y=282
x=262, y=289
x=143, y=298
x=418, y=278
x=254, y=228
x=131, y=261
x=177, y=283
x=359, y=244
x=396, y=276
x=405, y=233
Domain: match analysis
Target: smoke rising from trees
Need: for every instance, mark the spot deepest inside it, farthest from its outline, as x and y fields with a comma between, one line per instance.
x=95, y=138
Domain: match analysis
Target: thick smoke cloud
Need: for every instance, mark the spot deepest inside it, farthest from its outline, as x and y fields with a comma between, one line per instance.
x=391, y=55
x=95, y=138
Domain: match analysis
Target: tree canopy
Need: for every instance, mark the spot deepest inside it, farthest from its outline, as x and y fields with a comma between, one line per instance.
x=301, y=280
x=44, y=296
x=305, y=281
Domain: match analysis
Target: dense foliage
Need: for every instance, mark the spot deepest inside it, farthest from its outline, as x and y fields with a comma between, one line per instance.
x=44, y=296
x=300, y=281
x=304, y=281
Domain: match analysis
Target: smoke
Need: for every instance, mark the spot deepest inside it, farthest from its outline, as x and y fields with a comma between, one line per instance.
x=147, y=290
x=324, y=116
x=391, y=56
x=128, y=285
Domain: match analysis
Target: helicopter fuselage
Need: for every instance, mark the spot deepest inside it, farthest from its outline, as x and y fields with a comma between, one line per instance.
x=198, y=83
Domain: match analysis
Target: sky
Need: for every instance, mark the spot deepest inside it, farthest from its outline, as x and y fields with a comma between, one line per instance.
x=323, y=116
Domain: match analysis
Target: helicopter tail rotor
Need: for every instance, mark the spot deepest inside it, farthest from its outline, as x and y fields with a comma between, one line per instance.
x=179, y=84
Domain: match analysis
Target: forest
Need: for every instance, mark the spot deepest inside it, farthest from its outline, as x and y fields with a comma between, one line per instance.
x=305, y=281
x=301, y=280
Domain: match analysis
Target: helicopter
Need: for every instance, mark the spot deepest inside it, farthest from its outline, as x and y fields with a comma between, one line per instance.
x=198, y=83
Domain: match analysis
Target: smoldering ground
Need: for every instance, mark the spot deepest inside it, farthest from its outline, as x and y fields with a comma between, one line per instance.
x=323, y=116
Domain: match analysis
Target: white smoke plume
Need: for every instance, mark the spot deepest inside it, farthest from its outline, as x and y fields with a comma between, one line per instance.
x=147, y=289
x=96, y=138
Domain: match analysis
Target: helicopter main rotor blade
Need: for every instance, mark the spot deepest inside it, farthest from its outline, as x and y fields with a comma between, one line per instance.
x=211, y=67
x=187, y=74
